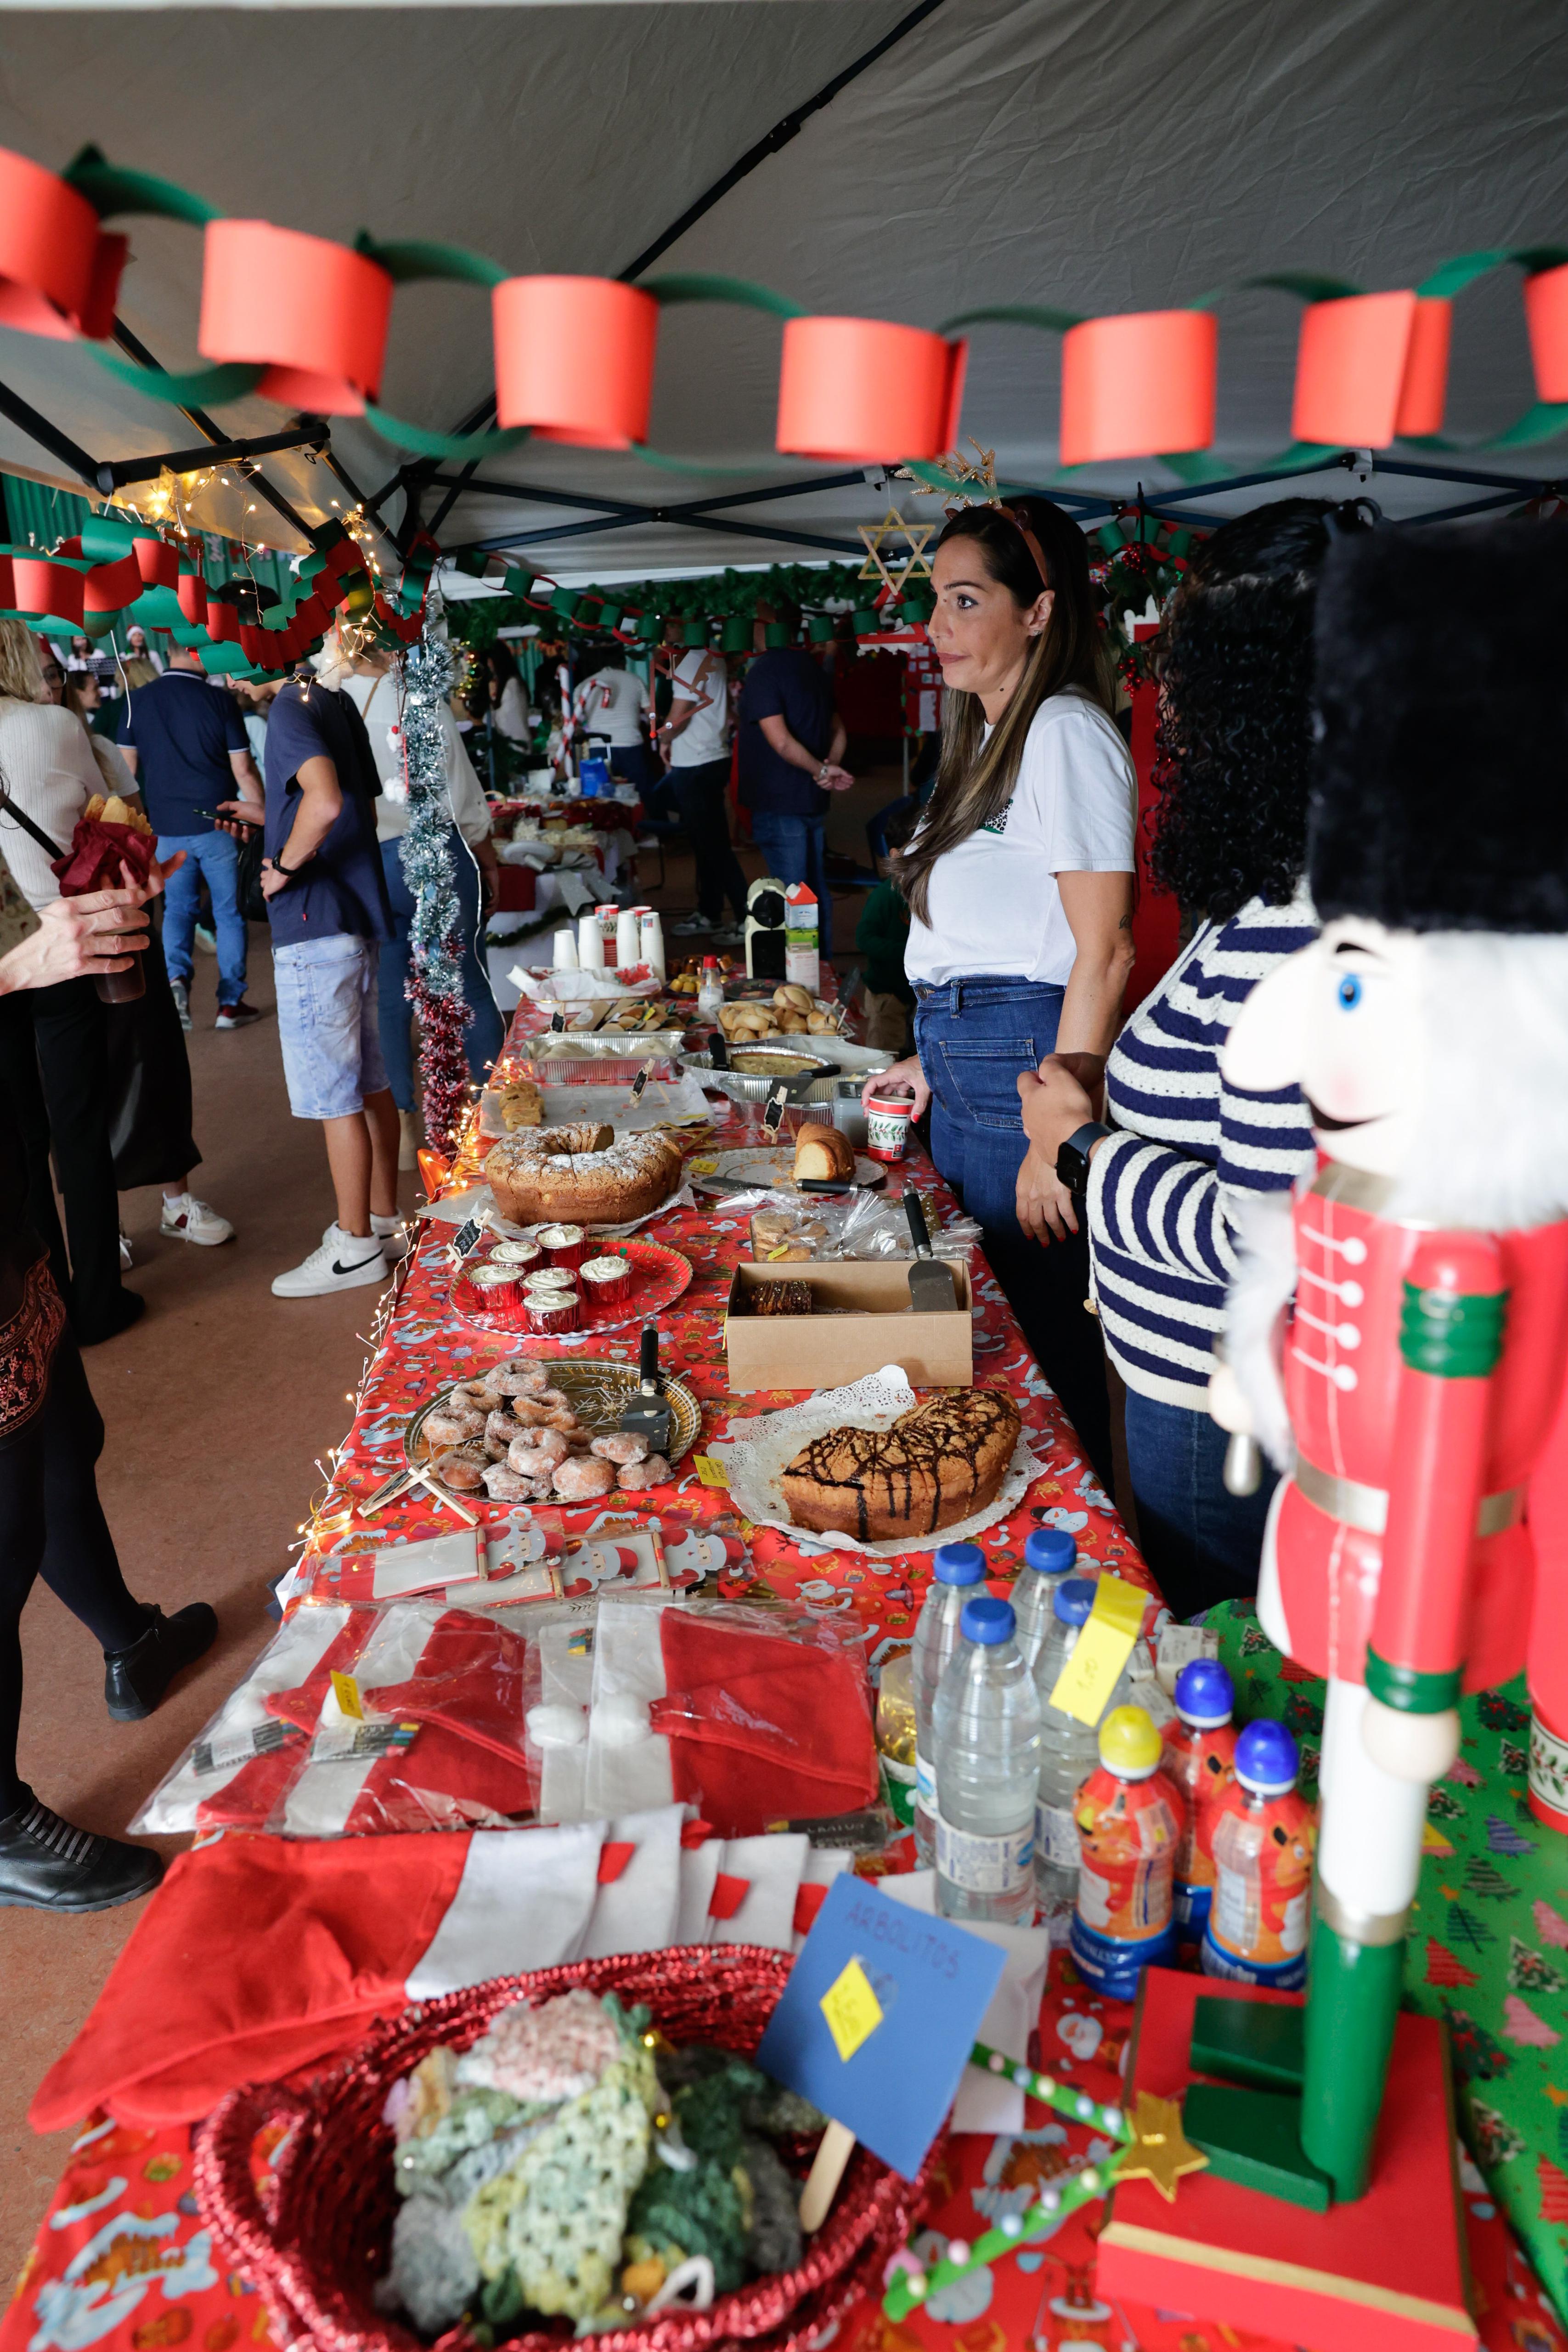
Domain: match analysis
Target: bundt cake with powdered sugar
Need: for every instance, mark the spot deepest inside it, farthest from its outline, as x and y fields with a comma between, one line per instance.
x=581, y=1175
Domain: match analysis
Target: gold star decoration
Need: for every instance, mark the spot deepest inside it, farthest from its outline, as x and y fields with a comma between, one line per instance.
x=956, y=471
x=1160, y=2151
x=916, y=564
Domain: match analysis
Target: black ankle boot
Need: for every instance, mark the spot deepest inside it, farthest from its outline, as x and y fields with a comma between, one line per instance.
x=47, y=1865
x=134, y=1680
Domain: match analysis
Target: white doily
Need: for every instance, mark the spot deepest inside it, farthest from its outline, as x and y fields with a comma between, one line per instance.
x=754, y=1459
x=477, y=1200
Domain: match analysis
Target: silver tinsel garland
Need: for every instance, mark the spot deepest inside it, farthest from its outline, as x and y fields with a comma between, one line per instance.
x=435, y=972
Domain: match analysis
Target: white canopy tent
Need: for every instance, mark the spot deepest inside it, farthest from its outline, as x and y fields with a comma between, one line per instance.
x=1099, y=155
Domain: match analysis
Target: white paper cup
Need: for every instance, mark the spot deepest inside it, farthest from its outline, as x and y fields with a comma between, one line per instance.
x=565, y=949
x=590, y=943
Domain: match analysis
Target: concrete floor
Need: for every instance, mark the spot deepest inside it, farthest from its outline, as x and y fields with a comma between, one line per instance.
x=217, y=1405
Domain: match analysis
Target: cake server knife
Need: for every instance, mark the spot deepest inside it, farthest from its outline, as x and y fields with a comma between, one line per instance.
x=648, y=1413
x=931, y=1289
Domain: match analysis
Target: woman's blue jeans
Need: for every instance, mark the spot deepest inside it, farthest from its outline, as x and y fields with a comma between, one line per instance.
x=486, y=1031
x=1202, y=1544
x=974, y=1037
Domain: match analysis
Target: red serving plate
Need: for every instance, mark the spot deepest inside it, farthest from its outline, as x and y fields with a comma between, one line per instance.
x=659, y=1275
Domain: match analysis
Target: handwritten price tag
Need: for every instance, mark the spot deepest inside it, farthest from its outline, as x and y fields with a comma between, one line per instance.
x=346, y=1691
x=711, y=1473
x=1104, y=1644
x=851, y=2009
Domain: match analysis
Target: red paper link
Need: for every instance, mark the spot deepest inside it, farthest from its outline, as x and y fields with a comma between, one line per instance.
x=159, y=564
x=1422, y=396
x=110, y=587
x=58, y=272
x=1546, y=320
x=1350, y=369
x=868, y=391
x=574, y=359
x=192, y=592
x=43, y=586
x=97, y=852
x=222, y=622
x=313, y=314
x=1138, y=385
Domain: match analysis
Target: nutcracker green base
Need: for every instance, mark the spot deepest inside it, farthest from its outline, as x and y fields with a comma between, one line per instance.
x=1352, y=2004
x=1254, y=2139
x=1249, y=2042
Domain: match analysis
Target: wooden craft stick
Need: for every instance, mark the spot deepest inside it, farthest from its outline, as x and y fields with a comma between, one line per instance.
x=822, y=2181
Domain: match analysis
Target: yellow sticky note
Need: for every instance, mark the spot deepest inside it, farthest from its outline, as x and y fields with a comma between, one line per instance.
x=1104, y=1644
x=711, y=1473
x=702, y=1167
x=346, y=1691
x=853, y=2010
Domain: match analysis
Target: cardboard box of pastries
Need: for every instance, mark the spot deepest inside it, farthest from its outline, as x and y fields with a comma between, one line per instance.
x=859, y=1320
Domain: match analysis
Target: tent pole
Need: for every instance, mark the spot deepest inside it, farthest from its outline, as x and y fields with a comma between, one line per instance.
x=48, y=437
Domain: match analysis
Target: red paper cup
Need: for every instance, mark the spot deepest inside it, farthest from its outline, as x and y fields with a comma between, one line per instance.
x=525, y=1255
x=496, y=1286
x=549, y=1313
x=606, y=1281
x=563, y=1245
x=887, y=1118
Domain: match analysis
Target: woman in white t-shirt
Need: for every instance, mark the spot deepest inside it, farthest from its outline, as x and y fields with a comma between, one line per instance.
x=1020, y=882
x=611, y=704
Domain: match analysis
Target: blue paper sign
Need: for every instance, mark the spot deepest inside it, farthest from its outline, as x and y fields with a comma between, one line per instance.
x=878, y=2019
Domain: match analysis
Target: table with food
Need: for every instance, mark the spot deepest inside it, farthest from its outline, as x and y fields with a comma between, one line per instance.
x=597, y=1686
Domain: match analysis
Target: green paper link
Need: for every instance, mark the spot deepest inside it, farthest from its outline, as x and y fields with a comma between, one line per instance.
x=111, y=191
x=1451, y=277
x=668, y=465
x=1054, y=2205
x=407, y=264
x=696, y=286
x=445, y=444
x=210, y=387
x=1014, y=314
x=1307, y=284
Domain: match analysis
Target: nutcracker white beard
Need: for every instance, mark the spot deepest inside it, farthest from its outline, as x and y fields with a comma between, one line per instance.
x=1488, y=1130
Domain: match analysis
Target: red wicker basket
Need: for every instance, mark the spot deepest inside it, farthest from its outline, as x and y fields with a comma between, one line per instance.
x=314, y=2239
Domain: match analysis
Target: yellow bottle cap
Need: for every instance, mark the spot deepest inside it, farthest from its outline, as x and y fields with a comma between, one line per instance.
x=1129, y=1742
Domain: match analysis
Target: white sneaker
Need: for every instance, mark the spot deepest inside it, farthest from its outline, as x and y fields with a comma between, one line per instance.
x=181, y=1001
x=390, y=1231
x=190, y=1220
x=343, y=1262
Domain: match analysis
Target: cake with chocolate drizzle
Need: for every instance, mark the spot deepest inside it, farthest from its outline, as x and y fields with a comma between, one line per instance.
x=940, y=1462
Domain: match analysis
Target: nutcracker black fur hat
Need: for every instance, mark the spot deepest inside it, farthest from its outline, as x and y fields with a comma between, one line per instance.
x=1440, y=788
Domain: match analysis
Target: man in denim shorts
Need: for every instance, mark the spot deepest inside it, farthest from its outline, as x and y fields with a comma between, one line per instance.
x=327, y=902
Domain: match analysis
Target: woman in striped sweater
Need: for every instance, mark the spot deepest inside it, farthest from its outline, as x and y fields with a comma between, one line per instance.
x=1164, y=1186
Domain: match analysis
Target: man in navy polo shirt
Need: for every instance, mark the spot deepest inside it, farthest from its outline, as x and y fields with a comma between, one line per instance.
x=186, y=743
x=327, y=903
x=791, y=747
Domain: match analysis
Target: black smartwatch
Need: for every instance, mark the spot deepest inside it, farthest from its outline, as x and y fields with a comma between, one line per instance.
x=1072, y=1158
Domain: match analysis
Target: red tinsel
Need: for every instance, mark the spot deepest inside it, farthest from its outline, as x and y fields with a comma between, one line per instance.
x=443, y=1063
x=97, y=854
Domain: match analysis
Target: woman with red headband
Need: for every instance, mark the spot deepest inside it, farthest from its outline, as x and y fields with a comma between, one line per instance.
x=1019, y=884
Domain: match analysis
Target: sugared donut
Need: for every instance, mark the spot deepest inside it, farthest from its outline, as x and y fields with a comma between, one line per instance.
x=581, y=1478
x=635, y=1476
x=621, y=1446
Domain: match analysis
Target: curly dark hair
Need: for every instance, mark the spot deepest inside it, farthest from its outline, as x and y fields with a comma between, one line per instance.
x=1234, y=740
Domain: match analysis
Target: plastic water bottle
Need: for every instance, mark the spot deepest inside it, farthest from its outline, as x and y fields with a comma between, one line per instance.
x=987, y=1723
x=1068, y=1754
x=1050, y=1554
x=957, y=1569
x=1257, y=1927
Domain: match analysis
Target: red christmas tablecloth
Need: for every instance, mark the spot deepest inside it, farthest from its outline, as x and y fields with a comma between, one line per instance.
x=123, y=2260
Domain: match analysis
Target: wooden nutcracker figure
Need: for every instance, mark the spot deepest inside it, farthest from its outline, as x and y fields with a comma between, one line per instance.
x=1397, y=1339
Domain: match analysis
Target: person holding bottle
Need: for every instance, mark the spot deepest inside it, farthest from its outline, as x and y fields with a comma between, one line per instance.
x=1019, y=883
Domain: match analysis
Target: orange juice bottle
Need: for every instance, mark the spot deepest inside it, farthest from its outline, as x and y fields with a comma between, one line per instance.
x=1129, y=1817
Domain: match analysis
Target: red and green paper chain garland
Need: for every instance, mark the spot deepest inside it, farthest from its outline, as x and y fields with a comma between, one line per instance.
x=304, y=321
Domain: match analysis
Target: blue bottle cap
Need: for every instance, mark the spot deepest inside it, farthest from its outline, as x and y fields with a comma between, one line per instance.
x=1050, y=1549
x=958, y=1563
x=1073, y=1600
x=1205, y=1694
x=986, y=1620
x=1266, y=1759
